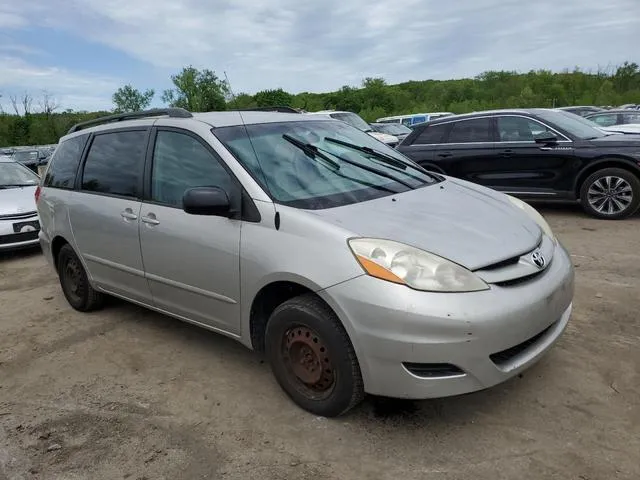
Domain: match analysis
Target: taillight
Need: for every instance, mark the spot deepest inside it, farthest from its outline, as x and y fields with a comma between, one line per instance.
x=37, y=194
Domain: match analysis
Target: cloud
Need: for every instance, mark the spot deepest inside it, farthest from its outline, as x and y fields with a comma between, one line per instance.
x=70, y=89
x=320, y=46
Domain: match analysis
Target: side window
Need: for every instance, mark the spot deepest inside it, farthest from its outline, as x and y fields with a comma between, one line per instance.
x=605, y=120
x=64, y=163
x=406, y=121
x=518, y=129
x=420, y=119
x=181, y=162
x=631, y=117
x=473, y=130
x=432, y=134
x=115, y=162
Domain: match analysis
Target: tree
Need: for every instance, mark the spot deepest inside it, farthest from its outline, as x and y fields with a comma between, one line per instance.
x=273, y=98
x=241, y=101
x=129, y=99
x=197, y=91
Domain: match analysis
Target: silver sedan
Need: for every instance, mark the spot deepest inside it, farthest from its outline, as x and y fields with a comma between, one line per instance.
x=19, y=224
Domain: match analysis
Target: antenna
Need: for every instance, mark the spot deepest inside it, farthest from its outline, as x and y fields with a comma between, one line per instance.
x=233, y=95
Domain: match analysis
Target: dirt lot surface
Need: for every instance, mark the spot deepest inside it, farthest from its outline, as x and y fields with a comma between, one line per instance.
x=127, y=393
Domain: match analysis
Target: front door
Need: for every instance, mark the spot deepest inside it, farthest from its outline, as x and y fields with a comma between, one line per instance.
x=524, y=167
x=104, y=214
x=192, y=262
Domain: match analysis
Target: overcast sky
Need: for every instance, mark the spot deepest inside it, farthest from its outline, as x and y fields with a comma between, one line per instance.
x=81, y=51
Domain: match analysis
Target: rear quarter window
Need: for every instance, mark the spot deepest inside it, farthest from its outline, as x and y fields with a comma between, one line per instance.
x=63, y=166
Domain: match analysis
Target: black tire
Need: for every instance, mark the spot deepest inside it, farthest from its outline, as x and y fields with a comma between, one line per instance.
x=75, y=283
x=307, y=322
x=591, y=198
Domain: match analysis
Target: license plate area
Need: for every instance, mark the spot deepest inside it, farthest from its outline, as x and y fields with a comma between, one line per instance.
x=23, y=227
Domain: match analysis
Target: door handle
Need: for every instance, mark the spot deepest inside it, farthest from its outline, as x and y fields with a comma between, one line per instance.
x=546, y=149
x=507, y=153
x=445, y=154
x=128, y=214
x=150, y=219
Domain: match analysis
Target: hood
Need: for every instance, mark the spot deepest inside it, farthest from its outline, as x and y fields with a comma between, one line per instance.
x=627, y=128
x=383, y=137
x=616, y=139
x=17, y=200
x=468, y=224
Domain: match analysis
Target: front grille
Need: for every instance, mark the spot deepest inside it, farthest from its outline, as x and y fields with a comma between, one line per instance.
x=518, y=281
x=19, y=237
x=431, y=370
x=504, y=263
x=505, y=356
x=18, y=216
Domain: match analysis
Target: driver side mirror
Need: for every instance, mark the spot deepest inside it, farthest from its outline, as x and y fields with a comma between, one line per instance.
x=211, y=201
x=545, y=138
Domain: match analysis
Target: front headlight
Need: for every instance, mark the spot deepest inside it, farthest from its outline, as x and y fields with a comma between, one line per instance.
x=400, y=263
x=534, y=215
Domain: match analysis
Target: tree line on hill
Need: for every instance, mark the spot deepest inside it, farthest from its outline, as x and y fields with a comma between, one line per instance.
x=202, y=90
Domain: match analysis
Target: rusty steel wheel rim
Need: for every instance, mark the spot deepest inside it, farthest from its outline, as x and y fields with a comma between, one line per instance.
x=308, y=361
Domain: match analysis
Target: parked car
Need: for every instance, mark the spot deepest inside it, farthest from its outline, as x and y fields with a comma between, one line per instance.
x=19, y=225
x=414, y=118
x=356, y=121
x=535, y=154
x=354, y=269
x=396, y=129
x=614, y=117
x=631, y=129
x=582, y=110
x=630, y=106
x=31, y=158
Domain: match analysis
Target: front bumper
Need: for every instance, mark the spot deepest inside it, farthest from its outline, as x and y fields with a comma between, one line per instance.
x=488, y=337
x=10, y=240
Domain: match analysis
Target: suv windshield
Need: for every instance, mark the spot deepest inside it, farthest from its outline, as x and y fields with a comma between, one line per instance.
x=353, y=120
x=15, y=175
x=575, y=125
x=296, y=176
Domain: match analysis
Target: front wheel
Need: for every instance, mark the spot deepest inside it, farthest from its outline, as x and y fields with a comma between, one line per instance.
x=610, y=193
x=312, y=357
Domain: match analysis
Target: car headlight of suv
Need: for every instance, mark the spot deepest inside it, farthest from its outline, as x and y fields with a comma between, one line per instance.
x=534, y=215
x=406, y=265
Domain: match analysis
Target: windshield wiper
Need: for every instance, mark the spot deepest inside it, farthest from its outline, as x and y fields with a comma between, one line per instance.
x=371, y=169
x=389, y=160
x=14, y=185
x=311, y=151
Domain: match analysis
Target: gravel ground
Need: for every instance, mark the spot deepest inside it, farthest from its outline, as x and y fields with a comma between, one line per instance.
x=128, y=393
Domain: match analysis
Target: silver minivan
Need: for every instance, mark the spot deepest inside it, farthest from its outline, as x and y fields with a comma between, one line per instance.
x=350, y=266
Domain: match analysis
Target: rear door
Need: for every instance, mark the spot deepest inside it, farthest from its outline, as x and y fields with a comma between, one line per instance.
x=105, y=212
x=523, y=167
x=192, y=262
x=468, y=148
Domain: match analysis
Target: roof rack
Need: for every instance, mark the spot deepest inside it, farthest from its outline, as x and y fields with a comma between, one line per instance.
x=282, y=109
x=118, y=117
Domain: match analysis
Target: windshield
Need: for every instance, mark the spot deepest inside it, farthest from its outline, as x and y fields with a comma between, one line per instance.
x=25, y=156
x=393, y=129
x=575, y=125
x=353, y=120
x=293, y=175
x=14, y=174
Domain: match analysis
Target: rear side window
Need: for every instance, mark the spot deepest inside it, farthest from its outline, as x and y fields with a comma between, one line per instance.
x=605, y=120
x=432, y=134
x=64, y=163
x=469, y=131
x=631, y=117
x=115, y=163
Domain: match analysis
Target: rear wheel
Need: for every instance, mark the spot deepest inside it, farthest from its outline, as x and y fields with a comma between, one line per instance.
x=611, y=193
x=75, y=283
x=312, y=357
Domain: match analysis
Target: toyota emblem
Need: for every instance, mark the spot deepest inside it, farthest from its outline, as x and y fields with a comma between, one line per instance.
x=537, y=259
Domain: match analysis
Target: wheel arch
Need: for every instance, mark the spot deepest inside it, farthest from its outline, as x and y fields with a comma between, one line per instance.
x=602, y=163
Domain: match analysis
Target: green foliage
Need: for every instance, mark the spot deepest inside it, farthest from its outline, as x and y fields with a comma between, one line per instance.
x=129, y=99
x=201, y=90
x=270, y=98
x=197, y=91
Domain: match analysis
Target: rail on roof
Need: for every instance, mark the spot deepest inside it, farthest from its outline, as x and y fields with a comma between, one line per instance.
x=118, y=117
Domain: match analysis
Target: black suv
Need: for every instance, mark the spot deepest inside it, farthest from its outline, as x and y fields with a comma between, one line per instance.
x=535, y=154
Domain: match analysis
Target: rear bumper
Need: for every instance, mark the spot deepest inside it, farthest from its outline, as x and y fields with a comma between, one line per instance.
x=418, y=345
